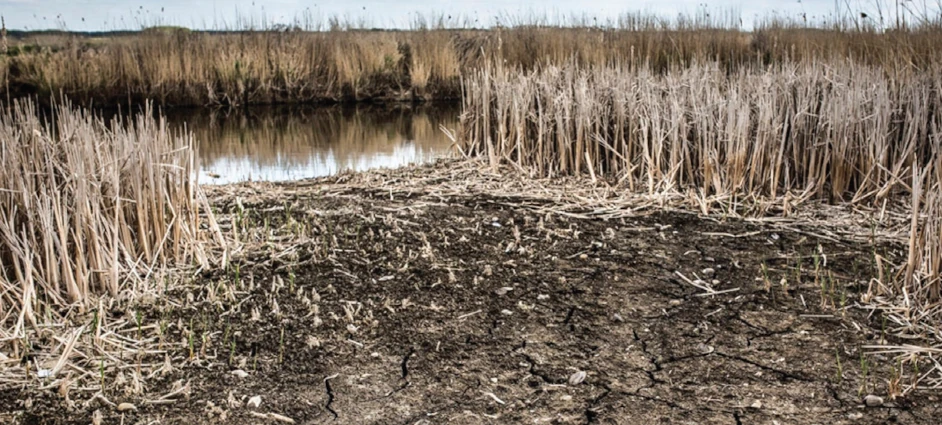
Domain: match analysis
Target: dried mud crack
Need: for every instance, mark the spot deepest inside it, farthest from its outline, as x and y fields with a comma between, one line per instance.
x=471, y=309
x=330, y=397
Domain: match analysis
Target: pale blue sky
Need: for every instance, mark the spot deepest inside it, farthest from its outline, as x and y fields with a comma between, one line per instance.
x=85, y=15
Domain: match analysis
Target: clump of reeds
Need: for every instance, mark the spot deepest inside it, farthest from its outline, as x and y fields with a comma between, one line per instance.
x=86, y=206
x=920, y=288
x=840, y=131
x=834, y=131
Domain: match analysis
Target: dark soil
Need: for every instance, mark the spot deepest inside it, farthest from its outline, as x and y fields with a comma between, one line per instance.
x=475, y=310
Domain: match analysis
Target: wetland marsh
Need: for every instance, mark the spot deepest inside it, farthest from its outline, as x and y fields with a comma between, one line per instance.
x=659, y=221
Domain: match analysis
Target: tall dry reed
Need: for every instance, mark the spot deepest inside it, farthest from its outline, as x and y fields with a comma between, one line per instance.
x=85, y=207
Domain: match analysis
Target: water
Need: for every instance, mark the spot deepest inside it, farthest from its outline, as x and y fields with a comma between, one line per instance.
x=290, y=143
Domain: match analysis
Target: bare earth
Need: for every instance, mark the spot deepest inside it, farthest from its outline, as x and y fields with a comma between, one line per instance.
x=484, y=308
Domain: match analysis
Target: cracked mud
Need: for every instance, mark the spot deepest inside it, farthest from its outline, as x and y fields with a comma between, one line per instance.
x=474, y=310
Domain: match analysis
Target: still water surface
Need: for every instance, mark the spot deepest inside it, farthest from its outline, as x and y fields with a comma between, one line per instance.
x=290, y=143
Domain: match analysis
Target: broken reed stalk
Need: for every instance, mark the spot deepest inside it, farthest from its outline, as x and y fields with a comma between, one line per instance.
x=839, y=131
x=85, y=206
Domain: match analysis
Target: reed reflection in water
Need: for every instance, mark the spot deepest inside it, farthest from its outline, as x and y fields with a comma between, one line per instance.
x=290, y=143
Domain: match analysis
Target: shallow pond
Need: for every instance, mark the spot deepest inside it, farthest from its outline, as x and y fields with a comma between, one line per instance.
x=290, y=143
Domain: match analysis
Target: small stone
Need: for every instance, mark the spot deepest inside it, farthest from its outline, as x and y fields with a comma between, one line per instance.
x=873, y=400
x=708, y=272
x=125, y=407
x=577, y=378
x=583, y=256
x=566, y=397
x=674, y=302
x=618, y=318
x=506, y=312
x=756, y=404
x=239, y=373
x=542, y=297
x=503, y=290
x=254, y=401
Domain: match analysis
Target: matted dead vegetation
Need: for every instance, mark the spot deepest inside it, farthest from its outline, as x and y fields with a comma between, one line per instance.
x=452, y=292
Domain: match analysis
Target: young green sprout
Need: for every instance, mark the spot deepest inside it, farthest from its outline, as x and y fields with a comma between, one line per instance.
x=281, y=346
x=232, y=347
x=765, y=277
x=864, y=372
x=839, y=377
x=190, y=343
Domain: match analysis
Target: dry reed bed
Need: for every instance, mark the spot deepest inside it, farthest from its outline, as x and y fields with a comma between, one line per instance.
x=87, y=208
x=757, y=140
x=261, y=67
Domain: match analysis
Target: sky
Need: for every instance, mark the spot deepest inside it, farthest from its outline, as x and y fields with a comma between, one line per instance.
x=95, y=15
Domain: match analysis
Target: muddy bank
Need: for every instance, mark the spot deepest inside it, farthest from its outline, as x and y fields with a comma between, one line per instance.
x=355, y=303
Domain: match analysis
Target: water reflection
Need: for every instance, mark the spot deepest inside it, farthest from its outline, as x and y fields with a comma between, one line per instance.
x=288, y=143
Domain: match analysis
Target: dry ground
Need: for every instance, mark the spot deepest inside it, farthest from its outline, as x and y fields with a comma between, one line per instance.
x=419, y=307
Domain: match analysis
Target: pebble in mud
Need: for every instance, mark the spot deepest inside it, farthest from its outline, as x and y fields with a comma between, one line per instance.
x=254, y=402
x=577, y=378
x=873, y=400
x=704, y=348
x=503, y=290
